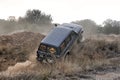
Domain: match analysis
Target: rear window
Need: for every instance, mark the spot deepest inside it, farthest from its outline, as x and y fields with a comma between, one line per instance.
x=51, y=50
x=48, y=49
x=42, y=48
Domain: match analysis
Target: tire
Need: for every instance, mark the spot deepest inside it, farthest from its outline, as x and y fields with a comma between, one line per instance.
x=67, y=57
x=39, y=59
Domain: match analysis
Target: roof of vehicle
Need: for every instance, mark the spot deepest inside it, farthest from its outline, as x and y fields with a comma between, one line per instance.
x=59, y=34
x=76, y=28
x=56, y=36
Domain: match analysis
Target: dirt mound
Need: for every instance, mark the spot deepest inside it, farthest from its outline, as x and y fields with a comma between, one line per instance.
x=17, y=47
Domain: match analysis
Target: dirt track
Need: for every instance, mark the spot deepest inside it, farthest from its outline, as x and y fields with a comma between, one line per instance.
x=97, y=58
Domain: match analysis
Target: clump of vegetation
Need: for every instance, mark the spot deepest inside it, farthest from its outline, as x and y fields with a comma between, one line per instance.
x=109, y=26
x=34, y=20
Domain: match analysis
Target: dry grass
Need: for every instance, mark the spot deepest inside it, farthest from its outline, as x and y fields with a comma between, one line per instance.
x=17, y=47
x=21, y=48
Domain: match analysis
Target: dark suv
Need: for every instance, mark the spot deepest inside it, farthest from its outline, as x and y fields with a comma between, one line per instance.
x=58, y=43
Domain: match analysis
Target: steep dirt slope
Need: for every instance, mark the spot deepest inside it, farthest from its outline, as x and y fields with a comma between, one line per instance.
x=17, y=47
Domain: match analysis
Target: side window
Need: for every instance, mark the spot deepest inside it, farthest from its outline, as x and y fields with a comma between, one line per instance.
x=62, y=46
x=68, y=39
x=72, y=34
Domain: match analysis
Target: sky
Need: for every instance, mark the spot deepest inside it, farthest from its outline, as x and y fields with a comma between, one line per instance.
x=64, y=11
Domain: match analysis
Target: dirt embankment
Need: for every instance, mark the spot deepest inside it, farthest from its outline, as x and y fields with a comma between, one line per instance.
x=17, y=47
x=88, y=60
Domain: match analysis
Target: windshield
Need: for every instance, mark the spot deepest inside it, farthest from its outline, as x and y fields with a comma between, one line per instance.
x=48, y=49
